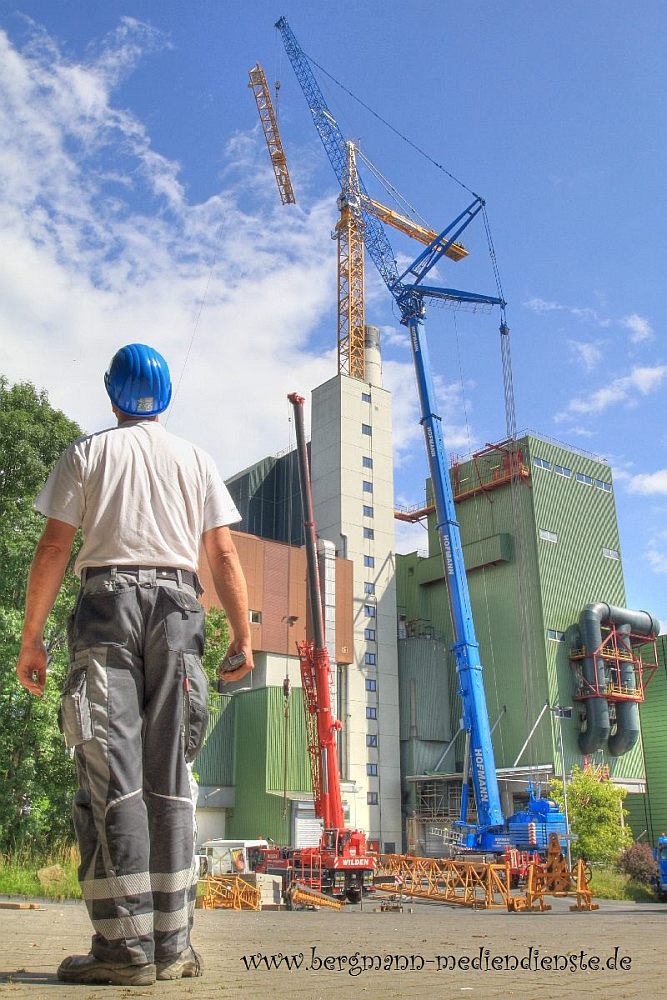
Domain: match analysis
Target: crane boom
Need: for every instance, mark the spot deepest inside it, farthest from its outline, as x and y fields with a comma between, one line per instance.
x=269, y=122
x=375, y=238
x=314, y=657
x=411, y=228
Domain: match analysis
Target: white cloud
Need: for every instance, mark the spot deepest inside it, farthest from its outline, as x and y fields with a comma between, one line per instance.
x=642, y=380
x=584, y=313
x=396, y=337
x=639, y=327
x=584, y=432
x=656, y=554
x=99, y=246
x=411, y=537
x=649, y=484
x=590, y=354
x=538, y=305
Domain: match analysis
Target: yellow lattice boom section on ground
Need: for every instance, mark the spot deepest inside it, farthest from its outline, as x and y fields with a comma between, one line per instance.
x=475, y=884
x=230, y=892
x=485, y=885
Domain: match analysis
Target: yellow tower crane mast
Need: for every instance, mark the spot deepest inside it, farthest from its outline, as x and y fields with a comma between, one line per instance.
x=351, y=277
x=267, y=117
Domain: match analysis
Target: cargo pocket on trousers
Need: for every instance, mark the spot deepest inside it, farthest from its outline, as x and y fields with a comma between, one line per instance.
x=195, y=706
x=183, y=621
x=74, y=714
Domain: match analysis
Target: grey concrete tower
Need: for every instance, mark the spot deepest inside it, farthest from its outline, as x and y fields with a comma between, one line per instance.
x=353, y=496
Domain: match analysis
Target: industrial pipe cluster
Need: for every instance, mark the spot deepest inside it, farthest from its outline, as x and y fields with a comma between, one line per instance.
x=597, y=733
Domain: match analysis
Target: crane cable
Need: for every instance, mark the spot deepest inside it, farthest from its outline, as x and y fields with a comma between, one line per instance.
x=195, y=328
x=400, y=200
x=392, y=128
x=518, y=522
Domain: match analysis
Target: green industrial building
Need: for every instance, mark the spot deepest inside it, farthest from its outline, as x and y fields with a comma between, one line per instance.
x=540, y=541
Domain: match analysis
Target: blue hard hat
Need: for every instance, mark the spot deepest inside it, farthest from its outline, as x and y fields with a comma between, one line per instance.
x=138, y=381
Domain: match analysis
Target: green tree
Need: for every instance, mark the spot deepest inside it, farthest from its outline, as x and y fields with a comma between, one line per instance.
x=596, y=815
x=217, y=641
x=36, y=774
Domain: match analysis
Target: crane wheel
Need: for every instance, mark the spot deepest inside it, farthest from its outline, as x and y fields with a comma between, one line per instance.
x=353, y=895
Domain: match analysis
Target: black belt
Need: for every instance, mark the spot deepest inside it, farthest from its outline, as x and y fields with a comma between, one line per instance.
x=161, y=573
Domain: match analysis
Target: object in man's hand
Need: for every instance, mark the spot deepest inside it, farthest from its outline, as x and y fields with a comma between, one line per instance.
x=231, y=663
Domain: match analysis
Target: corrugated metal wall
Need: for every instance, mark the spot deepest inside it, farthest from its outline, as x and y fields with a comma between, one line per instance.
x=215, y=762
x=287, y=761
x=651, y=813
x=423, y=690
x=262, y=736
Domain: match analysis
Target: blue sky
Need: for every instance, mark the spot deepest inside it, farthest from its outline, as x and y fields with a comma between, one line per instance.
x=138, y=204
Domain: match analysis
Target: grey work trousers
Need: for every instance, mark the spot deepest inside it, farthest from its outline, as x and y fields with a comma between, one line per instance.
x=134, y=708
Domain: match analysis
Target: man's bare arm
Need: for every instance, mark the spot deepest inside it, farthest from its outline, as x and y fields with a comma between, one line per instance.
x=46, y=575
x=231, y=588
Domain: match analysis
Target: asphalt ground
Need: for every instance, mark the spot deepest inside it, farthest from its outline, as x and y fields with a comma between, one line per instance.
x=434, y=951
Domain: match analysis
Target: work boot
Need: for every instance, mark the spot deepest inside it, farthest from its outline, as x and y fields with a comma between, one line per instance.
x=184, y=966
x=88, y=969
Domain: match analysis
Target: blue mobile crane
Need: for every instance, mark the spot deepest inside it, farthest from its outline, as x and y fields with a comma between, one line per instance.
x=492, y=832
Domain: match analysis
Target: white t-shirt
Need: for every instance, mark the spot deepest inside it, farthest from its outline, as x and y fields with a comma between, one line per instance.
x=141, y=495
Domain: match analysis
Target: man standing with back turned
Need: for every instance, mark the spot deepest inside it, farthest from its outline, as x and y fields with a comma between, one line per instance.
x=134, y=704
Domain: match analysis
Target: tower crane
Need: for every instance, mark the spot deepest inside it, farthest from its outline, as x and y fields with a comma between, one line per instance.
x=411, y=292
x=352, y=202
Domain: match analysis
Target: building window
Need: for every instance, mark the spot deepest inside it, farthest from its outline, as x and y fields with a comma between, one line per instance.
x=371, y=712
x=369, y=561
x=610, y=553
x=562, y=470
x=369, y=610
x=367, y=487
x=369, y=533
x=255, y=617
x=548, y=536
x=581, y=478
x=369, y=588
x=366, y=429
x=371, y=683
x=370, y=659
x=371, y=739
x=372, y=798
x=369, y=634
x=367, y=462
x=372, y=770
x=366, y=397
x=542, y=463
x=601, y=485
x=367, y=511
x=555, y=635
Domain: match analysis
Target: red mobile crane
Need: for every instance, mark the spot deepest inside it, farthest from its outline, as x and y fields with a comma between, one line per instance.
x=339, y=865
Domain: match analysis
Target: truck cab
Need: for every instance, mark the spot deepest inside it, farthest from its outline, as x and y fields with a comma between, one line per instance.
x=230, y=857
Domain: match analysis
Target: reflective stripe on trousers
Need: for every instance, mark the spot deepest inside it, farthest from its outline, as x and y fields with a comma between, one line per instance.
x=134, y=708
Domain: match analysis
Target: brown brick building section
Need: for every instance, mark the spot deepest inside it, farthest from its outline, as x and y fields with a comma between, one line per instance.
x=276, y=578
